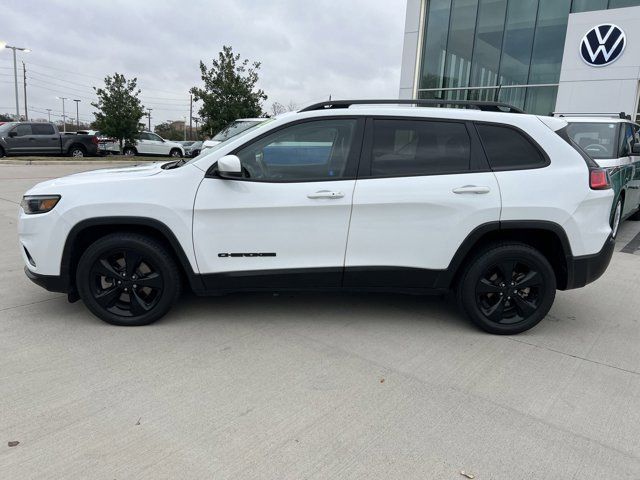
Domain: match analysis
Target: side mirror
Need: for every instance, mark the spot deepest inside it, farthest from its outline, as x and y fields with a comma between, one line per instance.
x=13, y=134
x=229, y=166
x=635, y=149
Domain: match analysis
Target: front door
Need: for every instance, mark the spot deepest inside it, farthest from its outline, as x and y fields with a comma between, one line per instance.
x=285, y=223
x=423, y=187
x=22, y=140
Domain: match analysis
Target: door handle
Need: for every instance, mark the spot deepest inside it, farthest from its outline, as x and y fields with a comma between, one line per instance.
x=326, y=194
x=471, y=189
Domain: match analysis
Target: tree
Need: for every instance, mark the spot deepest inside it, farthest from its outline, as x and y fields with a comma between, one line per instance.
x=120, y=109
x=229, y=91
x=277, y=108
x=171, y=130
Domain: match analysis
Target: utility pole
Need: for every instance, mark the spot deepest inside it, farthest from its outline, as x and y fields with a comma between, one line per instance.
x=77, y=114
x=15, y=73
x=196, y=119
x=190, y=115
x=49, y=113
x=185, y=129
x=24, y=79
x=64, y=115
x=149, y=115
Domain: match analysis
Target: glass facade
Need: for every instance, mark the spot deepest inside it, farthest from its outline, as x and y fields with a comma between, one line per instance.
x=502, y=50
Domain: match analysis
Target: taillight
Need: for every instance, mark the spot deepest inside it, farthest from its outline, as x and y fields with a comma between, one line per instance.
x=94, y=140
x=599, y=179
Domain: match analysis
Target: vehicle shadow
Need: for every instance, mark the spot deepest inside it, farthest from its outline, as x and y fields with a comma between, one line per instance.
x=340, y=308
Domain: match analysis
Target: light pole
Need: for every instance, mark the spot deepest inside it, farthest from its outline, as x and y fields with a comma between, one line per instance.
x=64, y=115
x=15, y=72
x=196, y=120
x=77, y=114
x=49, y=113
x=149, y=115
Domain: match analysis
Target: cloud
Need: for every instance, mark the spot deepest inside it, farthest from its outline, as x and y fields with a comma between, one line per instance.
x=308, y=49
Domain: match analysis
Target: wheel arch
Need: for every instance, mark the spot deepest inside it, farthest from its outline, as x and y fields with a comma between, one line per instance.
x=87, y=231
x=547, y=237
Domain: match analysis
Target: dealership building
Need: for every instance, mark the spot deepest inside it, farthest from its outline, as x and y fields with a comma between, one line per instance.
x=577, y=56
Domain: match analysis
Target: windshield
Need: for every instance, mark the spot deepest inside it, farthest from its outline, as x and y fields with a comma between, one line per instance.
x=599, y=140
x=5, y=127
x=235, y=128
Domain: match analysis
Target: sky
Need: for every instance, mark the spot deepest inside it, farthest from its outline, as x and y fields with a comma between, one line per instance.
x=309, y=49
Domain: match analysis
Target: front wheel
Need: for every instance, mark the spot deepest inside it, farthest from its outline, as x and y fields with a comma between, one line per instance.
x=128, y=279
x=175, y=153
x=507, y=288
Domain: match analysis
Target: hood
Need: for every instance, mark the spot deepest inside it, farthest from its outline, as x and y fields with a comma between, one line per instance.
x=102, y=175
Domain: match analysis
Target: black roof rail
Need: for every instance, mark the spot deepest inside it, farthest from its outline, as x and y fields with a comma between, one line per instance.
x=483, y=106
x=621, y=115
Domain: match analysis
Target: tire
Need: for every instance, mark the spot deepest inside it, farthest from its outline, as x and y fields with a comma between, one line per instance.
x=77, y=151
x=176, y=153
x=129, y=152
x=616, y=218
x=507, y=288
x=113, y=268
x=1, y=152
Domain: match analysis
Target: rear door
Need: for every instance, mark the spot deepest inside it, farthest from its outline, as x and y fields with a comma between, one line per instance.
x=47, y=140
x=423, y=187
x=144, y=145
x=630, y=135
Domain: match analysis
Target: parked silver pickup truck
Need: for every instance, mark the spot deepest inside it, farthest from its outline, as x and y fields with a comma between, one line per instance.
x=33, y=138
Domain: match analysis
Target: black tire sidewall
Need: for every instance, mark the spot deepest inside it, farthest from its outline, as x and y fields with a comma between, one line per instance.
x=158, y=256
x=171, y=153
x=467, y=287
x=129, y=149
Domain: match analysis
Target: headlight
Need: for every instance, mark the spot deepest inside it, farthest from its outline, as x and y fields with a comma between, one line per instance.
x=32, y=204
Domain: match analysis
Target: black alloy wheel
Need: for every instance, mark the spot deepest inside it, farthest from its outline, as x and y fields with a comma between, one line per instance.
x=128, y=279
x=125, y=283
x=507, y=288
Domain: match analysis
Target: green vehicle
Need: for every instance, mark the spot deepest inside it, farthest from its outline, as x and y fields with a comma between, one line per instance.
x=614, y=143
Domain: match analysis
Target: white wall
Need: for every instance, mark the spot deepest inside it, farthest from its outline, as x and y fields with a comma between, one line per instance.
x=410, y=48
x=609, y=89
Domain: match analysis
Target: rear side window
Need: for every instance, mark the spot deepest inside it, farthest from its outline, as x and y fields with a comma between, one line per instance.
x=508, y=149
x=419, y=147
x=42, y=129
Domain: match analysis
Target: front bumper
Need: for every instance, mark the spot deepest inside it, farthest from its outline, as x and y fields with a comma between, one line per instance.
x=588, y=268
x=53, y=283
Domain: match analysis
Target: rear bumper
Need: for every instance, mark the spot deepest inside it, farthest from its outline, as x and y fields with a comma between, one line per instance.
x=588, y=268
x=53, y=283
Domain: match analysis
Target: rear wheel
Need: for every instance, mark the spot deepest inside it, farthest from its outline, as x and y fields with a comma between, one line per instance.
x=615, y=219
x=507, y=289
x=1, y=152
x=129, y=151
x=77, y=151
x=128, y=279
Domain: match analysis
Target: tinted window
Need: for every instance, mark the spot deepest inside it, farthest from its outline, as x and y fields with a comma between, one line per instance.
x=414, y=147
x=508, y=149
x=42, y=129
x=599, y=140
x=23, y=130
x=627, y=139
x=316, y=150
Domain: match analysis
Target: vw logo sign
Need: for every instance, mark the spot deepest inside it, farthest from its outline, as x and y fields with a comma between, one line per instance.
x=603, y=45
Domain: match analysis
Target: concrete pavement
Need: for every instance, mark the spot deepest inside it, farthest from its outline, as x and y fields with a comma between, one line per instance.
x=257, y=386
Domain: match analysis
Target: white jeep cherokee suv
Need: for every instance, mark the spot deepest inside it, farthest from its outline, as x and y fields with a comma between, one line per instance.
x=502, y=207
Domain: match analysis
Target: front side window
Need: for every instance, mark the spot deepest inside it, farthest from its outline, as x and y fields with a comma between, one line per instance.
x=42, y=129
x=508, y=149
x=23, y=130
x=599, y=140
x=316, y=150
x=419, y=147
